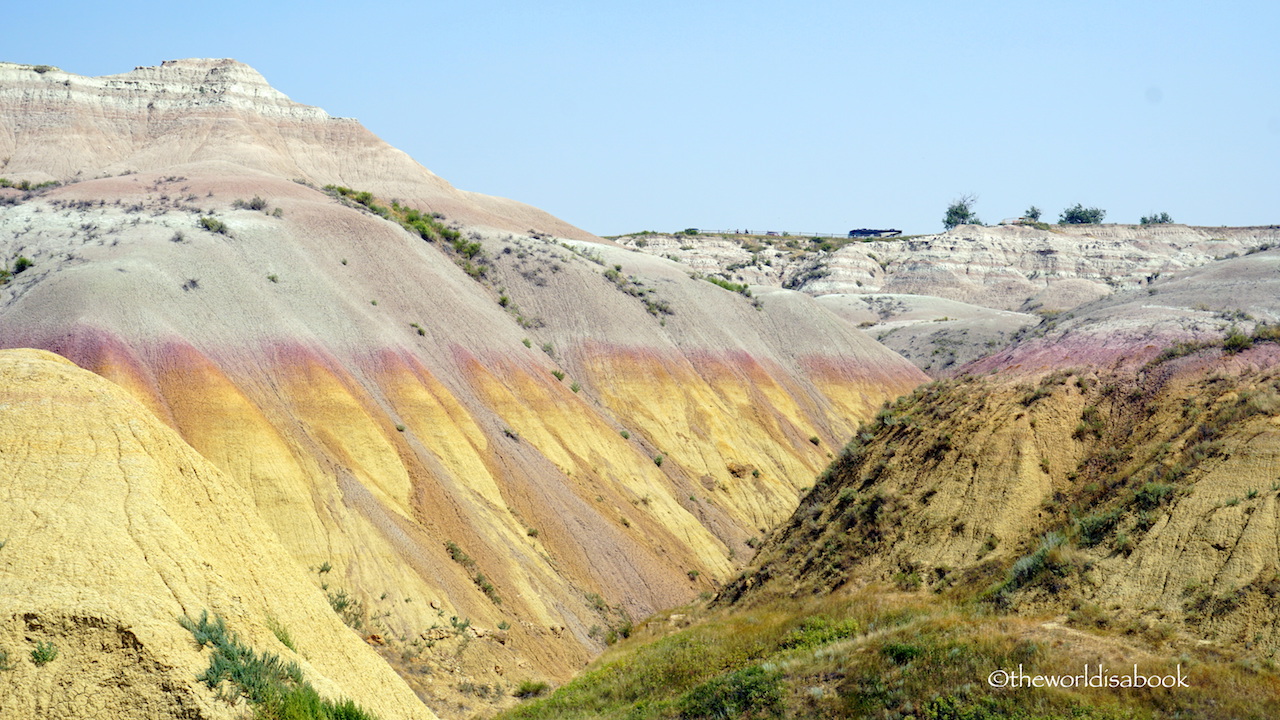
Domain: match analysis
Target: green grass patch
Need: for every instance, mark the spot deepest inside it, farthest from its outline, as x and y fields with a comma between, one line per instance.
x=44, y=653
x=281, y=632
x=275, y=688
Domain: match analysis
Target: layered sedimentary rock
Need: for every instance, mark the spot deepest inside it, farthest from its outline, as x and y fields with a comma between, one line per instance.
x=114, y=528
x=943, y=300
x=1116, y=467
x=1011, y=267
x=222, y=116
x=501, y=444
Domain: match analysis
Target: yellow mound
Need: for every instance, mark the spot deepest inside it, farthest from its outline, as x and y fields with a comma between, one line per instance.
x=113, y=528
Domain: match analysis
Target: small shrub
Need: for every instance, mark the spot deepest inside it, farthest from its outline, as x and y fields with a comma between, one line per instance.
x=740, y=288
x=457, y=555
x=256, y=203
x=5, y=665
x=625, y=435
x=960, y=212
x=348, y=608
x=1152, y=495
x=1156, y=219
x=205, y=631
x=1236, y=341
x=751, y=692
x=575, y=387
x=399, y=428
x=548, y=349
x=657, y=460
x=693, y=575
x=530, y=688
x=597, y=602
x=527, y=343
x=487, y=588
x=281, y=632
x=816, y=631
x=44, y=653
x=908, y=581
x=1081, y=215
x=21, y=264
x=1095, y=528
x=273, y=278
x=1048, y=557
x=988, y=545
x=558, y=374
x=901, y=653
x=213, y=225
x=815, y=439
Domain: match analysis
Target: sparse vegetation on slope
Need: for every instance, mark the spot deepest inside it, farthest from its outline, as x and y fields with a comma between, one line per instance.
x=468, y=253
x=274, y=688
x=1144, y=447
x=636, y=288
x=27, y=185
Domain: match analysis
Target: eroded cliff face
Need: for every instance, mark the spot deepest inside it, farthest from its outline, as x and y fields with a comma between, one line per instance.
x=1007, y=267
x=502, y=445
x=945, y=300
x=114, y=528
x=1117, y=468
x=217, y=117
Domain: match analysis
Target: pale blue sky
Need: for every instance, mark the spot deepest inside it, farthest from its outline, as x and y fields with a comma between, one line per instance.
x=803, y=116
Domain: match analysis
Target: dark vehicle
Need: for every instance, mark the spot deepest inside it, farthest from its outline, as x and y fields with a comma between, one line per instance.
x=865, y=233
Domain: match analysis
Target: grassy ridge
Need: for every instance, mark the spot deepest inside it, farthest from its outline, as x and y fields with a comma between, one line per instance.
x=882, y=654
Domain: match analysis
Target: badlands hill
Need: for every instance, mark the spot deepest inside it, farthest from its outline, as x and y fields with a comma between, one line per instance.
x=487, y=438
x=115, y=528
x=943, y=300
x=1104, y=492
x=223, y=117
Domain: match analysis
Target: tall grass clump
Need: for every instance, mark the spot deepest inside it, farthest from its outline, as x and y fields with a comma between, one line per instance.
x=275, y=688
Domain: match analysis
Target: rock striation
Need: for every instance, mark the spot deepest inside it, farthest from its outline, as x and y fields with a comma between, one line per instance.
x=222, y=116
x=523, y=440
x=969, y=290
x=114, y=528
